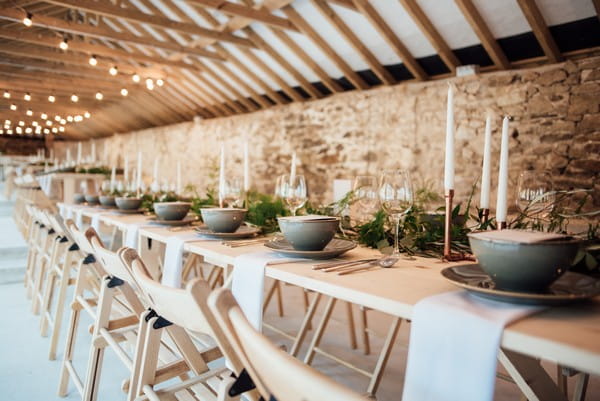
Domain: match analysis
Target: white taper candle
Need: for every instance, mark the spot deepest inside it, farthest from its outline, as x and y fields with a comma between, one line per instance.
x=138, y=183
x=113, y=177
x=449, y=160
x=501, y=203
x=293, y=168
x=178, y=187
x=246, y=168
x=484, y=202
x=78, y=153
x=222, y=176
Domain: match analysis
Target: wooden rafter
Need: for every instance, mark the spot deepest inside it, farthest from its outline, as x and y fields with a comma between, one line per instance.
x=329, y=13
x=431, y=33
x=12, y=14
x=131, y=14
x=308, y=30
x=540, y=29
x=390, y=37
x=484, y=34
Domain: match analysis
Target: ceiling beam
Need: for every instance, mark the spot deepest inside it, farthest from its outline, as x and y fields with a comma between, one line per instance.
x=329, y=14
x=484, y=34
x=390, y=37
x=597, y=7
x=89, y=49
x=540, y=29
x=130, y=14
x=431, y=33
x=239, y=10
x=308, y=30
x=40, y=20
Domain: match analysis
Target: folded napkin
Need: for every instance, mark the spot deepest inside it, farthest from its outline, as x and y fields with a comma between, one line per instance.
x=521, y=236
x=249, y=282
x=130, y=238
x=172, y=264
x=454, y=342
x=79, y=218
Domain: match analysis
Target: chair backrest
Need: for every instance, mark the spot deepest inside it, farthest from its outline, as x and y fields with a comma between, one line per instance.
x=186, y=308
x=274, y=371
x=79, y=237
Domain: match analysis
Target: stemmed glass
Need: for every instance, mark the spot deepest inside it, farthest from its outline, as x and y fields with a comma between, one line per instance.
x=535, y=193
x=396, y=196
x=293, y=190
x=233, y=192
x=364, y=190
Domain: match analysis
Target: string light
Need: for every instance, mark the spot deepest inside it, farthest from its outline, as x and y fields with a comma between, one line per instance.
x=46, y=131
x=63, y=45
x=149, y=84
x=63, y=121
x=13, y=107
x=27, y=97
x=113, y=70
x=9, y=131
x=51, y=99
x=38, y=130
x=93, y=61
x=22, y=123
x=6, y=95
x=29, y=112
x=70, y=119
x=28, y=130
x=6, y=122
x=78, y=118
x=1, y=131
x=54, y=130
x=61, y=129
x=160, y=82
x=27, y=21
x=99, y=96
x=87, y=114
x=43, y=116
x=124, y=92
x=74, y=98
x=19, y=130
x=48, y=123
x=57, y=118
x=35, y=123
x=135, y=78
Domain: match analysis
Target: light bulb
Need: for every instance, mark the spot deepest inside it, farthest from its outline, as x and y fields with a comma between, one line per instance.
x=99, y=96
x=29, y=112
x=22, y=123
x=27, y=21
x=63, y=45
x=113, y=70
x=93, y=61
x=135, y=78
x=43, y=116
x=63, y=121
x=6, y=94
x=70, y=119
x=160, y=82
x=61, y=129
x=19, y=130
x=54, y=130
x=51, y=99
x=87, y=114
x=34, y=123
x=124, y=92
x=57, y=118
x=27, y=97
x=1, y=131
x=28, y=130
x=74, y=98
x=149, y=84
x=13, y=107
x=38, y=130
x=6, y=122
x=9, y=131
x=46, y=131
x=78, y=118
x=48, y=123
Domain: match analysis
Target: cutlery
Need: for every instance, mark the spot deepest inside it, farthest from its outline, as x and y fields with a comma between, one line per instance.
x=235, y=244
x=385, y=262
x=340, y=263
x=285, y=261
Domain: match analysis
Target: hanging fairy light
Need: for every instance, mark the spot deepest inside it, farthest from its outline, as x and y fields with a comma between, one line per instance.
x=99, y=96
x=38, y=130
x=27, y=20
x=34, y=123
x=21, y=123
x=113, y=70
x=78, y=118
x=136, y=78
x=160, y=82
x=54, y=130
x=27, y=97
x=150, y=84
x=74, y=98
x=70, y=119
x=28, y=130
x=124, y=92
x=87, y=114
x=93, y=61
x=1, y=131
x=48, y=123
x=63, y=45
x=13, y=107
x=19, y=130
x=61, y=129
x=63, y=121
x=43, y=116
x=6, y=94
x=46, y=131
x=29, y=112
x=57, y=118
x=51, y=99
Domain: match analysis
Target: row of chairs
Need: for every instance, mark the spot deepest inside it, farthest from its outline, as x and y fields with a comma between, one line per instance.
x=172, y=341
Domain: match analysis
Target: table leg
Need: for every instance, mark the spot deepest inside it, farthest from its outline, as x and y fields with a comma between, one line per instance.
x=384, y=356
x=310, y=353
x=305, y=325
x=530, y=377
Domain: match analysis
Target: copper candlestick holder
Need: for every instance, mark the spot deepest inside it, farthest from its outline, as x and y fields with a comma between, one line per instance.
x=502, y=225
x=448, y=254
x=485, y=214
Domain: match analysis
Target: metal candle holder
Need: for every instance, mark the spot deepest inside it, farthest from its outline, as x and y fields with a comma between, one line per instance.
x=485, y=214
x=448, y=254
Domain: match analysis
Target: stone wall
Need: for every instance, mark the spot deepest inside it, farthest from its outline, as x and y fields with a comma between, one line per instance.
x=556, y=126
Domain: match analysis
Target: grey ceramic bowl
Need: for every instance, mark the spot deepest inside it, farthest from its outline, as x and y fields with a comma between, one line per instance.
x=223, y=220
x=91, y=199
x=107, y=200
x=171, y=210
x=78, y=198
x=128, y=203
x=524, y=267
x=308, y=235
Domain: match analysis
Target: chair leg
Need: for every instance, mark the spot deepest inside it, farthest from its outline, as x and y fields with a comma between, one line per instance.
x=47, y=302
x=305, y=325
x=137, y=356
x=310, y=354
x=149, y=357
x=60, y=305
x=37, y=287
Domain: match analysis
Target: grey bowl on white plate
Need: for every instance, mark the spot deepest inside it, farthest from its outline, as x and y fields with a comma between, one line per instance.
x=223, y=220
x=128, y=203
x=171, y=210
x=306, y=234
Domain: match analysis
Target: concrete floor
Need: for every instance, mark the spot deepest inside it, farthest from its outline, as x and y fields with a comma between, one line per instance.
x=27, y=374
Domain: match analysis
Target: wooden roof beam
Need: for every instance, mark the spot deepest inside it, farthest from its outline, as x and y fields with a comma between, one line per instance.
x=40, y=20
x=390, y=37
x=431, y=33
x=308, y=30
x=540, y=29
x=239, y=10
x=131, y=14
x=484, y=34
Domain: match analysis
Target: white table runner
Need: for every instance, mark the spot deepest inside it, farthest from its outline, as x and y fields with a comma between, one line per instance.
x=173, y=261
x=454, y=342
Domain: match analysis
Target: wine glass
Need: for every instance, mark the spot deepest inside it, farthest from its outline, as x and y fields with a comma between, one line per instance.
x=535, y=193
x=396, y=196
x=233, y=192
x=364, y=190
x=280, y=186
x=294, y=192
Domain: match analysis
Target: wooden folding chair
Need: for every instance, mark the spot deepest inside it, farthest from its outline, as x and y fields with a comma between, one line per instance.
x=179, y=312
x=62, y=263
x=276, y=374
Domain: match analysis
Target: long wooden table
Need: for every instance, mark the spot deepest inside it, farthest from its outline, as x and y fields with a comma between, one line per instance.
x=568, y=336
